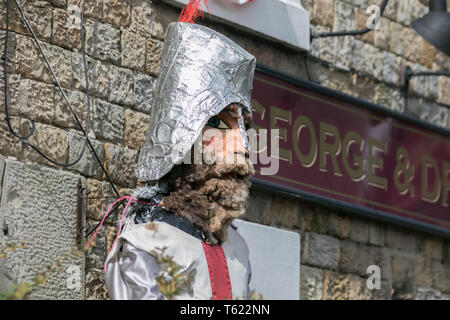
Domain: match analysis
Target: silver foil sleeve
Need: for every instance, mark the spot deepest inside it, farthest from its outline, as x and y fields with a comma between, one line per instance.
x=131, y=275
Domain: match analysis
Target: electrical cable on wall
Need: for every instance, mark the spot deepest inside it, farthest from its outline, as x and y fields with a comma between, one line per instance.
x=24, y=138
x=86, y=129
x=351, y=32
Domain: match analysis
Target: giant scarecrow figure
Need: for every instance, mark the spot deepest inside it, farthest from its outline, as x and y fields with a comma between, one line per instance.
x=204, y=84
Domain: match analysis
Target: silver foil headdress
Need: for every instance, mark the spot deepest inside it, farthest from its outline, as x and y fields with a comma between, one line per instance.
x=201, y=73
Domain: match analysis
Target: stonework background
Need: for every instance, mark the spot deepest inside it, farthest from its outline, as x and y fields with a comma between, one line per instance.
x=124, y=40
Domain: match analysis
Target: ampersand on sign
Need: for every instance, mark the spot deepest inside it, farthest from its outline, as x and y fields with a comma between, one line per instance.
x=404, y=169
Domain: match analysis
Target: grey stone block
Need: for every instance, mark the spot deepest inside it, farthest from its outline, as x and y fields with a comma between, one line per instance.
x=143, y=19
x=103, y=42
x=95, y=256
x=376, y=233
x=345, y=49
x=397, y=101
x=133, y=50
x=58, y=3
x=373, y=61
x=88, y=165
x=405, y=12
x=31, y=64
x=120, y=164
x=424, y=86
x=39, y=204
x=259, y=203
x=98, y=75
x=359, y=231
x=95, y=285
x=390, y=68
x=403, y=274
x=356, y=258
x=311, y=283
x=357, y=57
x=117, y=12
x=344, y=17
x=107, y=82
x=402, y=239
x=10, y=51
x=358, y=3
x=78, y=100
x=321, y=251
x=426, y=111
x=384, y=293
x=121, y=86
x=30, y=99
x=143, y=92
x=109, y=120
x=430, y=294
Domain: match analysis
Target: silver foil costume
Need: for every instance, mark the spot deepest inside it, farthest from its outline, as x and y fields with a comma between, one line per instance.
x=132, y=267
x=202, y=72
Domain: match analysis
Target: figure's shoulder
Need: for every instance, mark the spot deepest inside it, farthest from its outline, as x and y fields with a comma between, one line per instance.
x=157, y=234
x=158, y=214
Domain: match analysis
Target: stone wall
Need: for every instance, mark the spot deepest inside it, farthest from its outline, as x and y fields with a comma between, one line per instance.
x=123, y=47
x=38, y=207
x=124, y=39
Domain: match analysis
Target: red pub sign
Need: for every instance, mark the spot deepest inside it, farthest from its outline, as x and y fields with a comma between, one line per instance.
x=351, y=154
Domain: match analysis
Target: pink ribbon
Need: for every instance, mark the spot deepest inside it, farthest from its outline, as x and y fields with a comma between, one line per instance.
x=130, y=199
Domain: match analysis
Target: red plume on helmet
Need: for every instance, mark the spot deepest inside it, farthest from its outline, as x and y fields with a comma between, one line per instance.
x=191, y=11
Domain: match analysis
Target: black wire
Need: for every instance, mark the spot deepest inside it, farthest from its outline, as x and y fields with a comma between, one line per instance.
x=429, y=73
x=24, y=138
x=114, y=208
x=409, y=74
x=86, y=137
x=5, y=79
x=351, y=32
x=305, y=60
x=86, y=131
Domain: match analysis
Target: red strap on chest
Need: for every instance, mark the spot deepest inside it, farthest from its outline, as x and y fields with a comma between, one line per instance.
x=218, y=272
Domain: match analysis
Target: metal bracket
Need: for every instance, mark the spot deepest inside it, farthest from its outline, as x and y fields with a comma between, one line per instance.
x=80, y=198
x=5, y=228
x=408, y=73
x=82, y=194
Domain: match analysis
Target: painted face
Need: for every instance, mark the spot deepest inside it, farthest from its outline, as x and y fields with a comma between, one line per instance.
x=224, y=138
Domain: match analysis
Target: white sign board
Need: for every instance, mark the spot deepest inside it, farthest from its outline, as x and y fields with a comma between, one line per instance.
x=274, y=259
x=284, y=21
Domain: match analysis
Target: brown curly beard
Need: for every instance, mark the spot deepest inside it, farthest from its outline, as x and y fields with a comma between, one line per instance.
x=209, y=196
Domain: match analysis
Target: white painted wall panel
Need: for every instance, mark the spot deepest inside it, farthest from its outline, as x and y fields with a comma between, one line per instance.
x=274, y=258
x=284, y=21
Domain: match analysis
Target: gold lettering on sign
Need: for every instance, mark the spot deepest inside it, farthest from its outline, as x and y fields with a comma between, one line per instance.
x=445, y=183
x=355, y=174
x=433, y=194
x=261, y=144
x=325, y=148
x=406, y=170
x=258, y=108
x=277, y=114
x=376, y=163
x=303, y=122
